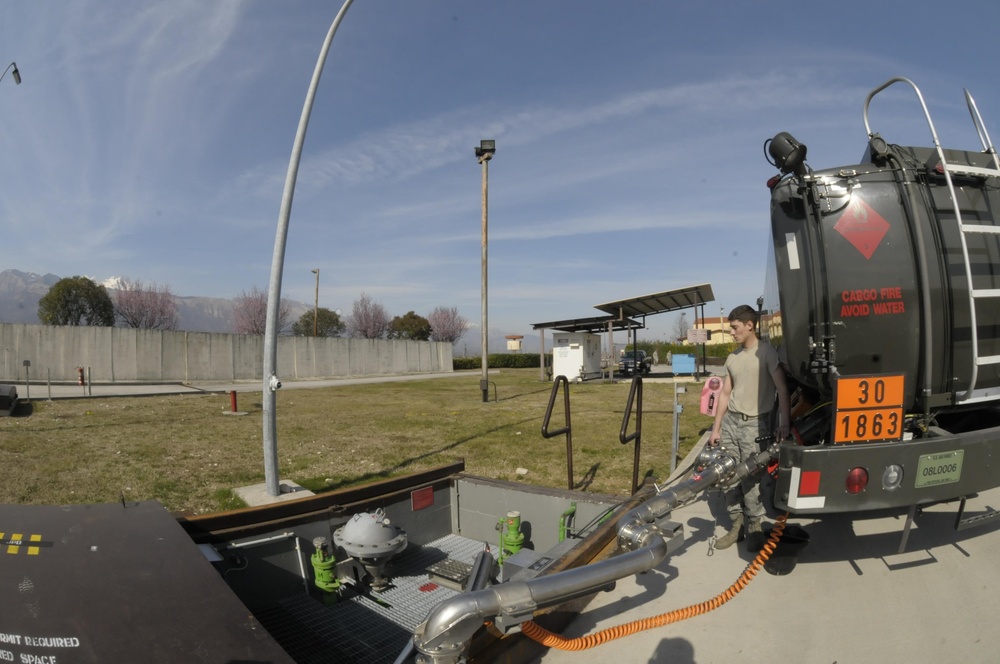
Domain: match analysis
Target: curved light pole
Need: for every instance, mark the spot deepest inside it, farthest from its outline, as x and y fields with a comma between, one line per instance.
x=15, y=73
x=271, y=382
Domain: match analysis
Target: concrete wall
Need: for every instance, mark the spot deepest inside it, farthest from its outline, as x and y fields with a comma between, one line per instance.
x=112, y=354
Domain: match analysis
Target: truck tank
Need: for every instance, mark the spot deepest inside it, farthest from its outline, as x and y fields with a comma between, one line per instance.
x=874, y=269
x=883, y=297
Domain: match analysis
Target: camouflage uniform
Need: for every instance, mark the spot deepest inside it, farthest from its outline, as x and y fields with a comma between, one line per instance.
x=739, y=436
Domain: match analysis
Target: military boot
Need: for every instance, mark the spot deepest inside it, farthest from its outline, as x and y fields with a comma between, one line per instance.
x=734, y=534
x=755, y=535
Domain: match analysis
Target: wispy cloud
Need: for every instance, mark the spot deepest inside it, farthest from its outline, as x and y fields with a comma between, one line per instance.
x=153, y=138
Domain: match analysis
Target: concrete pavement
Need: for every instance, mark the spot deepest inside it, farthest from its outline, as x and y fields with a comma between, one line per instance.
x=851, y=597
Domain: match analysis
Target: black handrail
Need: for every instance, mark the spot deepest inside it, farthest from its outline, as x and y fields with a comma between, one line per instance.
x=636, y=435
x=561, y=380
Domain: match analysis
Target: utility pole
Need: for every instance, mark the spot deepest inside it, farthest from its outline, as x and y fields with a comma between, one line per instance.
x=484, y=153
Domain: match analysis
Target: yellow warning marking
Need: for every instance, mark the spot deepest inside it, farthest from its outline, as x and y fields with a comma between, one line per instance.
x=17, y=541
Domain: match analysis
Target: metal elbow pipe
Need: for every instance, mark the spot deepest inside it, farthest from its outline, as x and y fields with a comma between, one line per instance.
x=631, y=525
x=453, y=622
x=652, y=509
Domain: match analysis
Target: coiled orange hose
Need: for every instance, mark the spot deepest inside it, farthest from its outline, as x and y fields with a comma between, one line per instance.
x=538, y=633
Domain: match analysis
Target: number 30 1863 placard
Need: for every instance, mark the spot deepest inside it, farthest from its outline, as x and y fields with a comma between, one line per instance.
x=869, y=408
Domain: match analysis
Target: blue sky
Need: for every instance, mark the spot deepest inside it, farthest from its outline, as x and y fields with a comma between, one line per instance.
x=151, y=140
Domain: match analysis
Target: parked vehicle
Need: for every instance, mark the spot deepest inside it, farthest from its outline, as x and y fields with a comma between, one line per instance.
x=635, y=362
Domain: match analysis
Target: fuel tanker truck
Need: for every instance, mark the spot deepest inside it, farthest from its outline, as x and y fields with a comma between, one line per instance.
x=882, y=295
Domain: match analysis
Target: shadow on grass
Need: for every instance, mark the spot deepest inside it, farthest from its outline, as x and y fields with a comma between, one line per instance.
x=523, y=394
x=316, y=486
x=23, y=409
x=588, y=478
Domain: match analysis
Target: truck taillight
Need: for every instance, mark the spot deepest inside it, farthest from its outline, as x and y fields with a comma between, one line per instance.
x=857, y=480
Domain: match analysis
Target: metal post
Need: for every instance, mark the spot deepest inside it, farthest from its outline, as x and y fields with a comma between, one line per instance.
x=611, y=352
x=541, y=357
x=316, y=306
x=704, y=355
x=271, y=383
x=484, y=153
x=678, y=409
x=484, y=381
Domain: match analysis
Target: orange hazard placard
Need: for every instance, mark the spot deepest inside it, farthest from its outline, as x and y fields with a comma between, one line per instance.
x=869, y=408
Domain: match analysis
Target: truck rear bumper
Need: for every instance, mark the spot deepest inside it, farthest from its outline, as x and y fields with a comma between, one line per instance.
x=941, y=466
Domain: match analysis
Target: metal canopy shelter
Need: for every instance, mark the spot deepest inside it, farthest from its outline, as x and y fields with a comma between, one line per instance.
x=659, y=303
x=622, y=314
x=595, y=324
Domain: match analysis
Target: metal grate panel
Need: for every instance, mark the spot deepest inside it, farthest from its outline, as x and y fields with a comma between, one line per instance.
x=363, y=626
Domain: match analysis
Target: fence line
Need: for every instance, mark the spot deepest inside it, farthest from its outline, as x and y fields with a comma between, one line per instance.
x=113, y=354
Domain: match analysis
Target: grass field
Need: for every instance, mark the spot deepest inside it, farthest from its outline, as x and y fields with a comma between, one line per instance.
x=185, y=452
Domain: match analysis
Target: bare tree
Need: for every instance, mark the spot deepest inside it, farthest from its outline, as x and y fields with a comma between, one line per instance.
x=447, y=324
x=149, y=307
x=368, y=319
x=250, y=312
x=681, y=327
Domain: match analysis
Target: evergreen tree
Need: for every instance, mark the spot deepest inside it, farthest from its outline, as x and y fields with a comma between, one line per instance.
x=322, y=321
x=410, y=326
x=77, y=301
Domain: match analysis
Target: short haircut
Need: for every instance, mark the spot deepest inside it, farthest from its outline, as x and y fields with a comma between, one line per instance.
x=745, y=314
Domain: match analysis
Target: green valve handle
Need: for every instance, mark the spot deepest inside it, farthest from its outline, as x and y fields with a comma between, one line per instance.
x=323, y=567
x=512, y=539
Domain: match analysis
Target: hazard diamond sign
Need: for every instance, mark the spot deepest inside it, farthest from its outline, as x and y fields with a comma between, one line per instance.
x=862, y=226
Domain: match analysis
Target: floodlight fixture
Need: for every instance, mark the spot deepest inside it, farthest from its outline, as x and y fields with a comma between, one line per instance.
x=12, y=68
x=788, y=154
x=486, y=149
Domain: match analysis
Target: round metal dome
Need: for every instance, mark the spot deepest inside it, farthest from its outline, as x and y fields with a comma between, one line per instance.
x=369, y=535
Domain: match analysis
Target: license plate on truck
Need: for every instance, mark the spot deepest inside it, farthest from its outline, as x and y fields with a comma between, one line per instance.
x=940, y=468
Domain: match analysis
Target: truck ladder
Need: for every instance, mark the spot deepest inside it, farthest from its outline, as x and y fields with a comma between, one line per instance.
x=949, y=169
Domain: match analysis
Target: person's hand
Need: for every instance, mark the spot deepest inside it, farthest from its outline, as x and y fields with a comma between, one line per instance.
x=714, y=439
x=781, y=433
